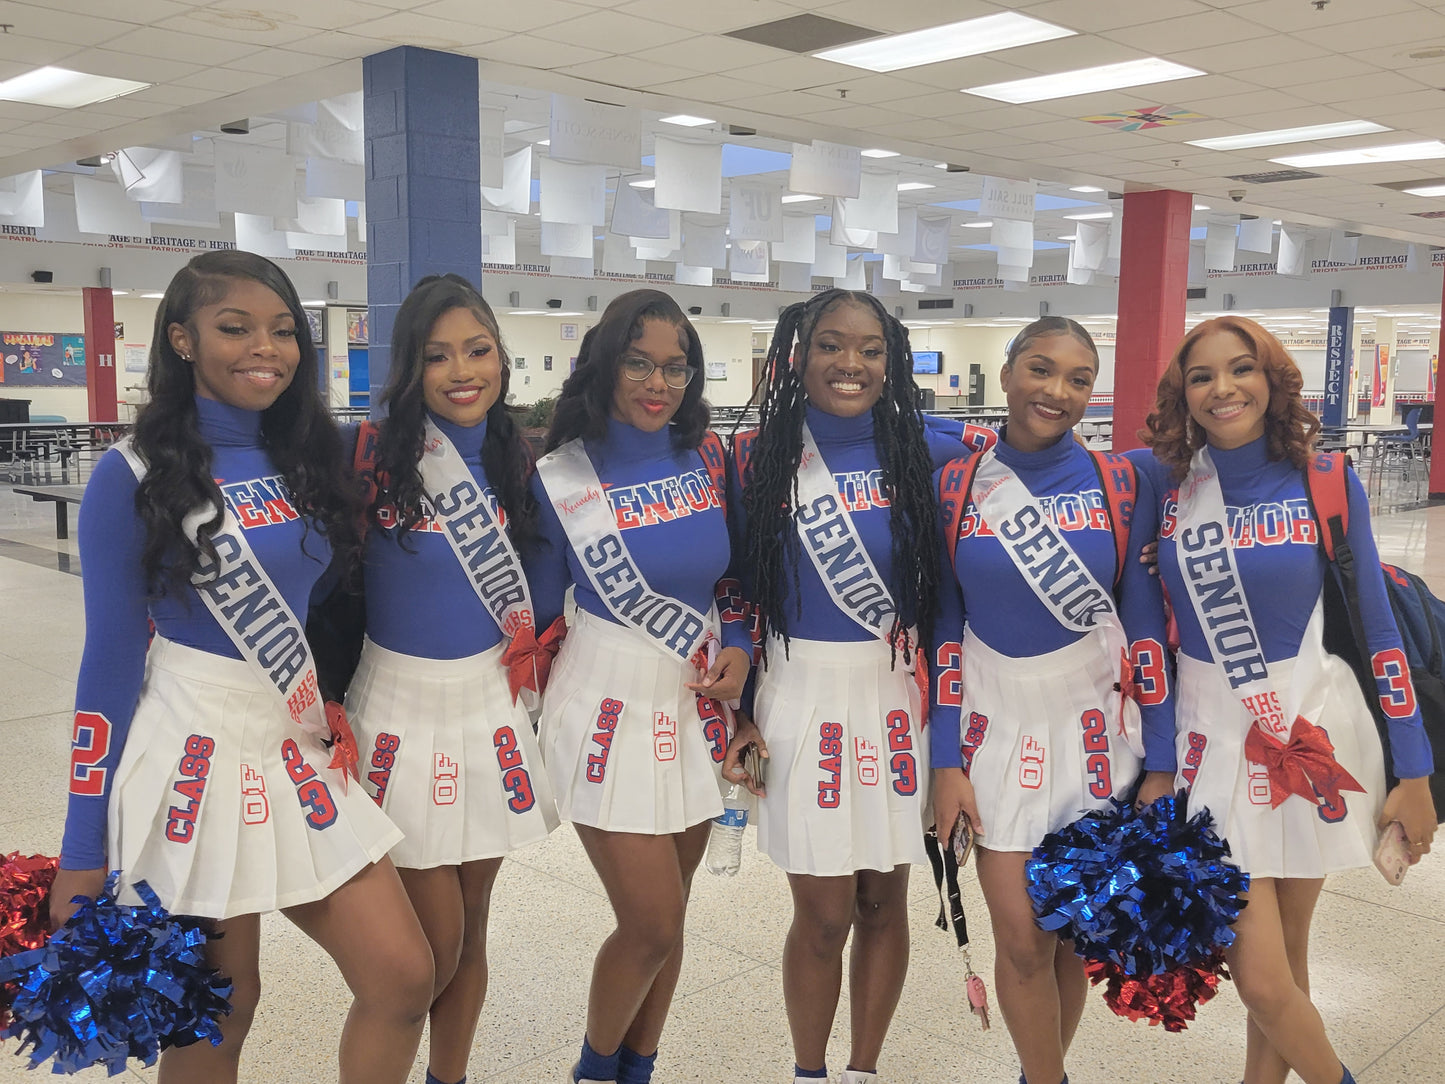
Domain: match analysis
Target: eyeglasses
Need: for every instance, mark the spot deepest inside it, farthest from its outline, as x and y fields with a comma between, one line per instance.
x=674, y=376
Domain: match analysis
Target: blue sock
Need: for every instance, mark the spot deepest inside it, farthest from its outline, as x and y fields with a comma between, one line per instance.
x=594, y=1066
x=810, y=1074
x=1347, y=1078
x=437, y=1080
x=634, y=1068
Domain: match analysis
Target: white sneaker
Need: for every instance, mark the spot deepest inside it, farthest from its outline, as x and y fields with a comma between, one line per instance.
x=571, y=1078
x=854, y=1076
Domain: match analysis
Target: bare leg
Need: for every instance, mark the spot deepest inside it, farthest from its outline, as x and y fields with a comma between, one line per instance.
x=1024, y=971
x=878, y=963
x=1073, y=984
x=237, y=956
x=1297, y=898
x=646, y=879
x=823, y=909
x=1278, y=1007
x=369, y=928
x=646, y=1030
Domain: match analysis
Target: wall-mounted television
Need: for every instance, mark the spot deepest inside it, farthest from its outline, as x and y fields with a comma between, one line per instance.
x=927, y=361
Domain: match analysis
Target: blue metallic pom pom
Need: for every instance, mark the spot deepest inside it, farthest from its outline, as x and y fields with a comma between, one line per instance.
x=116, y=982
x=1146, y=891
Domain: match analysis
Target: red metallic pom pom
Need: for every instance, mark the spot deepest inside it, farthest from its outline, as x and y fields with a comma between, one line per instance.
x=1170, y=998
x=25, y=882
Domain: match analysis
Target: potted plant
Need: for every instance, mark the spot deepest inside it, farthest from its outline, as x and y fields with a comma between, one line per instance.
x=535, y=421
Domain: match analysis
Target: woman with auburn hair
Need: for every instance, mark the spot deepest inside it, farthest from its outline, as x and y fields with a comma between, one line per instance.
x=1274, y=735
x=631, y=516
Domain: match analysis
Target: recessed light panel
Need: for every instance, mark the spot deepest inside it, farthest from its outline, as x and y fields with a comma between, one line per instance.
x=1042, y=88
x=1395, y=152
x=972, y=37
x=685, y=121
x=62, y=88
x=1247, y=140
x=913, y=186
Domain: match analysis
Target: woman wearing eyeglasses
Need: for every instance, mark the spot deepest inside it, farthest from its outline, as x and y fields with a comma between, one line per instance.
x=631, y=731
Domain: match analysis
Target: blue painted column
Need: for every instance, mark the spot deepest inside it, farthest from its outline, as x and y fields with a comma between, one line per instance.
x=423, y=182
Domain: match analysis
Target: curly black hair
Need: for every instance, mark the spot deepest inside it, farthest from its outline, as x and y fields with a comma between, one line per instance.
x=771, y=550
x=586, y=399
x=506, y=456
x=297, y=431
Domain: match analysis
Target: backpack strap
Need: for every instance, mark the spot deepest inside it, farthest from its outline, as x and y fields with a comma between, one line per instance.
x=363, y=462
x=1120, y=483
x=743, y=450
x=1330, y=501
x=954, y=484
x=713, y=458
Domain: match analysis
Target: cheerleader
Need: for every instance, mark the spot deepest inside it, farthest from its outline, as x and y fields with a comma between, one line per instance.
x=836, y=512
x=631, y=731
x=447, y=749
x=1062, y=644
x=1239, y=553
x=198, y=765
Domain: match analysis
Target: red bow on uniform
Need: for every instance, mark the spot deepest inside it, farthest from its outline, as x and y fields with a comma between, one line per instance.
x=1305, y=766
x=1128, y=690
x=528, y=658
x=344, y=752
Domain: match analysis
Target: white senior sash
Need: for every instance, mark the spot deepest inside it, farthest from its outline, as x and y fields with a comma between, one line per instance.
x=1205, y=551
x=572, y=485
x=245, y=602
x=1058, y=577
x=475, y=533
x=831, y=540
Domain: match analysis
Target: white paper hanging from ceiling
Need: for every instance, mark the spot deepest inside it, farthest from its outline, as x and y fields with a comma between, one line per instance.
x=1344, y=247
x=876, y=207
x=503, y=246
x=841, y=231
x=1091, y=245
x=755, y=211
x=567, y=239
x=23, y=203
x=149, y=174
x=749, y=258
x=932, y=238
x=573, y=193
x=826, y=169
x=573, y=267
x=1219, y=242
x=338, y=180
x=199, y=207
x=619, y=257
x=636, y=215
x=704, y=245
x=491, y=127
x=1006, y=198
x=254, y=180
x=1293, y=244
x=258, y=234
x=692, y=276
x=856, y=277
x=795, y=278
x=905, y=240
x=830, y=261
x=101, y=207
x=583, y=131
x=515, y=194
x=1256, y=234
x=800, y=240
x=689, y=175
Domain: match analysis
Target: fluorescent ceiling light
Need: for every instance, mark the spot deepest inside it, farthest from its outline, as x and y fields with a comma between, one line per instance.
x=1289, y=135
x=1040, y=88
x=313, y=304
x=798, y=197
x=940, y=165
x=1090, y=216
x=1201, y=206
x=1395, y=152
x=649, y=182
x=1085, y=188
x=550, y=313
x=528, y=312
x=1427, y=190
x=154, y=297
x=976, y=225
x=1068, y=237
x=913, y=186
x=62, y=88
x=544, y=142
x=879, y=152
x=688, y=122
x=971, y=37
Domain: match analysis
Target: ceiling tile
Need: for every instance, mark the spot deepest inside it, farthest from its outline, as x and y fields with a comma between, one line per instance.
x=173, y=43
x=239, y=26
x=793, y=73
x=709, y=15
x=612, y=32
x=407, y=28
x=1097, y=17
x=900, y=16
x=136, y=12
x=278, y=62
x=527, y=51
x=146, y=69
x=512, y=18
x=1348, y=90
x=1205, y=29
x=1404, y=28
x=708, y=88
x=1265, y=50
x=626, y=71
x=708, y=53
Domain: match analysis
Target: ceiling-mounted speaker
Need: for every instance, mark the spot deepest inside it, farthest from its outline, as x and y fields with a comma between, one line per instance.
x=967, y=309
x=1043, y=309
x=954, y=167
x=554, y=302
x=237, y=127
x=104, y=278
x=898, y=311
x=591, y=302
x=333, y=289
x=694, y=310
x=42, y=276
x=726, y=308
x=514, y=298
x=1337, y=298
x=1226, y=302
x=741, y=130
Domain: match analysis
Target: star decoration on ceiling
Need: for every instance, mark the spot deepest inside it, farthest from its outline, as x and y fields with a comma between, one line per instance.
x=1144, y=118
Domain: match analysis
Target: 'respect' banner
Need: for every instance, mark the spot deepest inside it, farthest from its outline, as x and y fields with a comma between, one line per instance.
x=42, y=359
x=1339, y=355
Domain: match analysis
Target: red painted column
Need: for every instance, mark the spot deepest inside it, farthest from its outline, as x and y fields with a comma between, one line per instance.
x=1153, y=280
x=1437, y=461
x=99, y=305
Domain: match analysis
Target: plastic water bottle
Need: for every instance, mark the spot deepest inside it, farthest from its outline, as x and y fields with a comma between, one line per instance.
x=725, y=844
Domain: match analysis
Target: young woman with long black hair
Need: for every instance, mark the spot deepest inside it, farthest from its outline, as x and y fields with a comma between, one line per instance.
x=447, y=749
x=835, y=507
x=1275, y=738
x=1049, y=641
x=199, y=763
x=630, y=492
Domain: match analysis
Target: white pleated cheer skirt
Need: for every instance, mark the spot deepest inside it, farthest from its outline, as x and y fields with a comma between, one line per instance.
x=1041, y=739
x=223, y=804
x=448, y=756
x=848, y=780
x=624, y=744
x=1299, y=838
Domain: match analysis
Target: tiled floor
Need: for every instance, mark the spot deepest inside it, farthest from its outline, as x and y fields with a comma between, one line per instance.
x=1379, y=953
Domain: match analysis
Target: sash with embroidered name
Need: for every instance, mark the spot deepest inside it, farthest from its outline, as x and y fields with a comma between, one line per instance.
x=248, y=606
x=1297, y=754
x=1058, y=577
x=484, y=550
x=673, y=627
